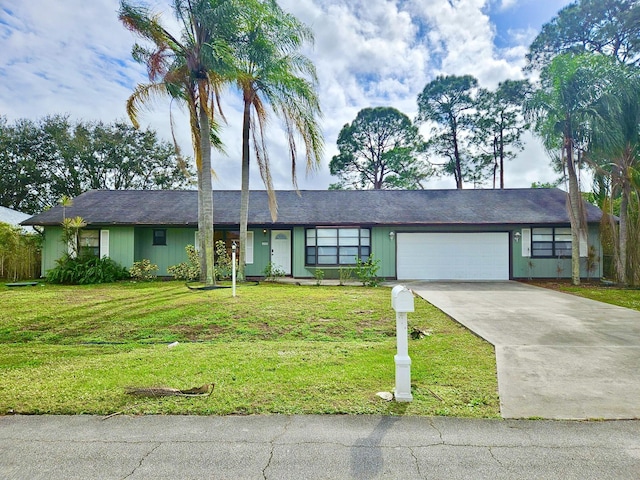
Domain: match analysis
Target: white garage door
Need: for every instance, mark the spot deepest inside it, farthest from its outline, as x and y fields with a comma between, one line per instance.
x=453, y=256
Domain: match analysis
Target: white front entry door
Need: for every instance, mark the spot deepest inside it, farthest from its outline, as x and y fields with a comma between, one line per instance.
x=281, y=250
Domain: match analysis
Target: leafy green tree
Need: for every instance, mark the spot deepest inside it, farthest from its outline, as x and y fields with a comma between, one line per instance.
x=270, y=72
x=499, y=125
x=448, y=102
x=565, y=107
x=24, y=176
x=607, y=27
x=52, y=157
x=190, y=67
x=553, y=184
x=380, y=149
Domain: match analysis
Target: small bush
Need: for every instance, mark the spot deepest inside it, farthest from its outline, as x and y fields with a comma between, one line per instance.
x=272, y=273
x=367, y=272
x=144, y=270
x=223, y=263
x=319, y=276
x=86, y=270
x=189, y=270
x=345, y=274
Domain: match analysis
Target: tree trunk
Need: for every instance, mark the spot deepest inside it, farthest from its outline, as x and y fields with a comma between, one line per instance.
x=495, y=161
x=574, y=212
x=501, y=159
x=458, y=162
x=244, y=194
x=623, y=233
x=201, y=223
x=206, y=190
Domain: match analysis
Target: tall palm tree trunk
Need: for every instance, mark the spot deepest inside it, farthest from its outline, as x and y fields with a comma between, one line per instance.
x=244, y=194
x=206, y=192
x=201, y=229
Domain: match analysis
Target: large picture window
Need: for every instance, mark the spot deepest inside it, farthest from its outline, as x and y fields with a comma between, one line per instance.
x=337, y=246
x=551, y=242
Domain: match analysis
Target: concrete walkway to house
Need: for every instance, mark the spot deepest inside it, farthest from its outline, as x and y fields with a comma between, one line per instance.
x=558, y=356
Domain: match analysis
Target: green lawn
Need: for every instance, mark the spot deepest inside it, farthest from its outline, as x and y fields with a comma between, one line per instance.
x=629, y=298
x=272, y=349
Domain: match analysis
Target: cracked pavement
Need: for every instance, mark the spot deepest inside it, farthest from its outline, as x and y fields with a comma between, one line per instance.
x=314, y=447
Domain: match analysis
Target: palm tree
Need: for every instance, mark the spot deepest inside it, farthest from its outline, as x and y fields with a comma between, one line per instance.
x=565, y=107
x=615, y=153
x=269, y=71
x=189, y=67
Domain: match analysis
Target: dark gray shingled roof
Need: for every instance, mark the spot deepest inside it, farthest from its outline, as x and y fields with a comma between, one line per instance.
x=323, y=207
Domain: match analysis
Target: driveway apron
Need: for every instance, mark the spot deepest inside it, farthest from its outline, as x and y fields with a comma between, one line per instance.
x=558, y=356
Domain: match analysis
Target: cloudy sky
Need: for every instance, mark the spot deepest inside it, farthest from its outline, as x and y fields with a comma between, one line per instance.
x=74, y=57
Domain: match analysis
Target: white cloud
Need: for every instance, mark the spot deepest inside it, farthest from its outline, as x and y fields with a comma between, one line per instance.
x=507, y=4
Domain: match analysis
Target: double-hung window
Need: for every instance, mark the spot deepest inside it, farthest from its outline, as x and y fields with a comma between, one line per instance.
x=337, y=246
x=551, y=242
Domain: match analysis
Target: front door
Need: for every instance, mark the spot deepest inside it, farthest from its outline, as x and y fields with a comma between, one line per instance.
x=281, y=250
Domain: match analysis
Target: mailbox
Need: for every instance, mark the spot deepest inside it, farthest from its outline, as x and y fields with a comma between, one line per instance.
x=402, y=299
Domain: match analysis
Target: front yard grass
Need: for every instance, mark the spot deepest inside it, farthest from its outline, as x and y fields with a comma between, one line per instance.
x=273, y=349
x=623, y=297
x=629, y=298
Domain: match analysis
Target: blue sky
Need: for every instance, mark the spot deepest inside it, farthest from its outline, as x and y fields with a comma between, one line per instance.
x=73, y=57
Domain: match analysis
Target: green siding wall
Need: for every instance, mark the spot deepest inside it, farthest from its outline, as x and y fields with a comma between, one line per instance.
x=120, y=246
x=163, y=255
x=52, y=248
x=297, y=255
x=383, y=249
x=529, y=267
x=261, y=253
x=121, y=243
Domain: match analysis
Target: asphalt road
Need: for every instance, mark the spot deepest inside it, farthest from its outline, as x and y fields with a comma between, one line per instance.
x=314, y=447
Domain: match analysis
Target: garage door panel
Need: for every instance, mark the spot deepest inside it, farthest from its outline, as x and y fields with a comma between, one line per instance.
x=453, y=256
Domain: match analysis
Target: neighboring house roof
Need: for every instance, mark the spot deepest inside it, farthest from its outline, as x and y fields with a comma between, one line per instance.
x=14, y=217
x=323, y=207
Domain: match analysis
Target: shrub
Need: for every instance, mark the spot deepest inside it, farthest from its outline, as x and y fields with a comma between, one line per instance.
x=271, y=272
x=189, y=270
x=367, y=272
x=86, y=270
x=319, y=276
x=144, y=270
x=345, y=274
x=223, y=264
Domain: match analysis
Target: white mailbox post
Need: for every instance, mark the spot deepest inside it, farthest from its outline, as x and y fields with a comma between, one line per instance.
x=402, y=302
x=233, y=269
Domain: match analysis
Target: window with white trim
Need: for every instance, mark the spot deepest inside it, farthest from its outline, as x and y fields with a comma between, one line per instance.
x=551, y=242
x=337, y=246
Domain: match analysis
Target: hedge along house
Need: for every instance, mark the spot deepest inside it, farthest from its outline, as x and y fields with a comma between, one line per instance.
x=420, y=234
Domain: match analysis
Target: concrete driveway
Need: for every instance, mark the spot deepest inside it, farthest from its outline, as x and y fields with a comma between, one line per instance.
x=558, y=356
